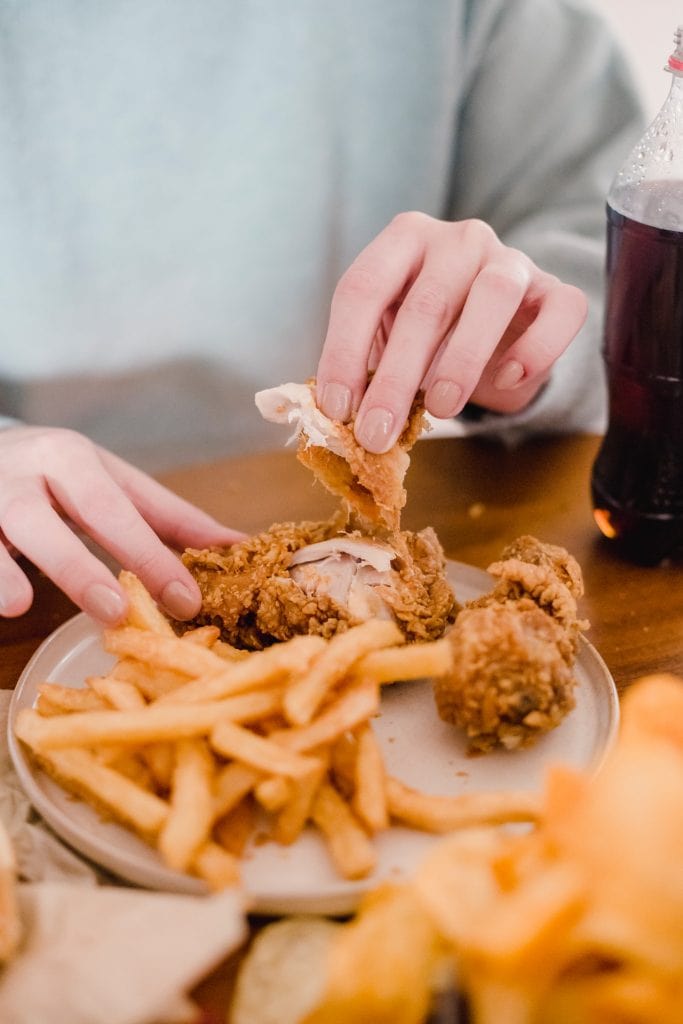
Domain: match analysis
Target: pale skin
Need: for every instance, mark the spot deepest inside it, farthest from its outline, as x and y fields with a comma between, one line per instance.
x=429, y=305
x=446, y=308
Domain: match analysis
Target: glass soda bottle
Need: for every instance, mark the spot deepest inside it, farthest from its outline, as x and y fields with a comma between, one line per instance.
x=637, y=478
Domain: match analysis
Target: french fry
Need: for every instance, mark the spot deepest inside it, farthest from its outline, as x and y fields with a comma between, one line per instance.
x=350, y=849
x=369, y=796
x=231, y=740
x=447, y=813
x=353, y=706
x=228, y=652
x=344, y=751
x=154, y=723
x=54, y=699
x=231, y=784
x=304, y=697
x=117, y=693
x=296, y=812
x=411, y=661
x=204, y=636
x=143, y=612
x=82, y=774
x=260, y=669
x=159, y=758
x=131, y=765
x=218, y=867
x=190, y=817
x=169, y=652
x=273, y=793
x=150, y=681
x=233, y=830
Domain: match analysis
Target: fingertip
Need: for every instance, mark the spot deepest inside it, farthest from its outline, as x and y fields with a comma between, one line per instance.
x=105, y=602
x=376, y=431
x=444, y=399
x=335, y=400
x=182, y=599
x=15, y=600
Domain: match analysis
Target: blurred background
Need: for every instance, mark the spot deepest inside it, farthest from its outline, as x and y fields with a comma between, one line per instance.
x=646, y=29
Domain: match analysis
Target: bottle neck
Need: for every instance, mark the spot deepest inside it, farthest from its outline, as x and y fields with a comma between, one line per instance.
x=676, y=89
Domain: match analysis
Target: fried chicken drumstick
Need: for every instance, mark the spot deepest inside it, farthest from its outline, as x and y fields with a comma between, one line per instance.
x=514, y=649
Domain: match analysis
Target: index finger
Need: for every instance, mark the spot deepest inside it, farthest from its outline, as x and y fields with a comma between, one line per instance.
x=96, y=504
x=373, y=282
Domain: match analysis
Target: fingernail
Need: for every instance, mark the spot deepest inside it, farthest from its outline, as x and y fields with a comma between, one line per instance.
x=444, y=398
x=179, y=600
x=336, y=401
x=375, y=431
x=104, y=604
x=509, y=375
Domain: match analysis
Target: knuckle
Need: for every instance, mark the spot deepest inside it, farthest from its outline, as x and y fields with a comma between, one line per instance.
x=428, y=301
x=504, y=278
x=577, y=299
x=15, y=513
x=60, y=445
x=100, y=505
x=388, y=384
x=478, y=233
x=148, y=563
x=467, y=368
x=358, y=281
x=410, y=221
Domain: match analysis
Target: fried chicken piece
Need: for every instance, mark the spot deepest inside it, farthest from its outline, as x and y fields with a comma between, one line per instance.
x=551, y=557
x=514, y=649
x=547, y=575
x=311, y=578
x=371, y=485
x=324, y=577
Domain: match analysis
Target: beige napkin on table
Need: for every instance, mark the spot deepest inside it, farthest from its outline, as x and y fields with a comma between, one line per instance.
x=95, y=951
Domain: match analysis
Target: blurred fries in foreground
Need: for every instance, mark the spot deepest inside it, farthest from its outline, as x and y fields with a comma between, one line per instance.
x=577, y=922
x=186, y=738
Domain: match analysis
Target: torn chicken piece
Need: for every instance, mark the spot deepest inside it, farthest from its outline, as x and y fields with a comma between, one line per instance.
x=312, y=578
x=349, y=571
x=322, y=578
x=371, y=485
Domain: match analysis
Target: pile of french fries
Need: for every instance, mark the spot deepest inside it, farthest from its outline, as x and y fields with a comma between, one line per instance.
x=193, y=744
x=579, y=921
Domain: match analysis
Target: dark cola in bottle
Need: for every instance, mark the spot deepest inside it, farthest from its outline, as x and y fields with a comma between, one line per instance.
x=637, y=479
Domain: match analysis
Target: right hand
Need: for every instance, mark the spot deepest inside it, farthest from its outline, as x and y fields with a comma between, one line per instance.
x=50, y=478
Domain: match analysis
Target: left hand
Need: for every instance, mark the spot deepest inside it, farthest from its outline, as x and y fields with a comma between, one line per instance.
x=443, y=307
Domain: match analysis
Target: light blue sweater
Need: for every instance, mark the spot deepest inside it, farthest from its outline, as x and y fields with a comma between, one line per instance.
x=181, y=185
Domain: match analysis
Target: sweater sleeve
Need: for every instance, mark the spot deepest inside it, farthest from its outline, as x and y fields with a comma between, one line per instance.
x=550, y=113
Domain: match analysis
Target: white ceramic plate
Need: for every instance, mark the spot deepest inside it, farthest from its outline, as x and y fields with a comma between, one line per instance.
x=418, y=747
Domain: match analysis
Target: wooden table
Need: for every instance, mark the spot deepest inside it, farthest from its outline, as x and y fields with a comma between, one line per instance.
x=478, y=496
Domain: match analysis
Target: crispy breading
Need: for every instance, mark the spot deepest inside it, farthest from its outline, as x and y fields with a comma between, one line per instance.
x=257, y=595
x=514, y=649
x=510, y=682
x=249, y=593
x=370, y=484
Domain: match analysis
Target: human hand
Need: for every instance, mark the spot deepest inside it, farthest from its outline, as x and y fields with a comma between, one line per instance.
x=445, y=308
x=51, y=478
